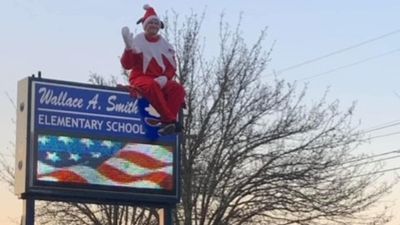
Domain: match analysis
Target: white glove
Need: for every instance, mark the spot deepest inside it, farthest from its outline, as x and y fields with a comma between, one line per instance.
x=128, y=37
x=161, y=80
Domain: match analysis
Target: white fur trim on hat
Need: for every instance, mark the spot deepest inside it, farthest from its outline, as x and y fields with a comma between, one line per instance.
x=146, y=21
x=150, y=14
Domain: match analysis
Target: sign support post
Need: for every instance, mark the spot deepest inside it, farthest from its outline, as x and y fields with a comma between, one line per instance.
x=28, y=212
x=165, y=216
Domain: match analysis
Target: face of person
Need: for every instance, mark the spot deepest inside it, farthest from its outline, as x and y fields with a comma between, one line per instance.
x=152, y=27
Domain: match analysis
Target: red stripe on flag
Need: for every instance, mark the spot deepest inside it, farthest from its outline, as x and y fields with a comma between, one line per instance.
x=142, y=160
x=67, y=176
x=160, y=178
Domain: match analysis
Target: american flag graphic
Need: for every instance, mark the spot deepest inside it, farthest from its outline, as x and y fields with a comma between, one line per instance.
x=102, y=162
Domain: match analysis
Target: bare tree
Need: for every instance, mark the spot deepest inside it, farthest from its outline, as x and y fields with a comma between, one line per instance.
x=91, y=214
x=6, y=166
x=254, y=151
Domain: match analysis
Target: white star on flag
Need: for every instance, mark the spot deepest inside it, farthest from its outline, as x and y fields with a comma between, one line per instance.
x=87, y=142
x=43, y=139
x=74, y=157
x=108, y=144
x=52, y=156
x=64, y=139
x=95, y=154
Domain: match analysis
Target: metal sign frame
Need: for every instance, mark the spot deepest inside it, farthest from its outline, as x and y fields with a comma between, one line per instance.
x=42, y=102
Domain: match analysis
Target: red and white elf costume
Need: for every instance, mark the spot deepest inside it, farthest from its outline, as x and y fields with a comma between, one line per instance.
x=151, y=60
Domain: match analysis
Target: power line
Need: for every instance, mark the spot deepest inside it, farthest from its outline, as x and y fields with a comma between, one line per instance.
x=373, y=173
x=383, y=135
x=381, y=126
x=363, y=175
x=373, y=156
x=374, y=161
x=337, y=51
x=351, y=64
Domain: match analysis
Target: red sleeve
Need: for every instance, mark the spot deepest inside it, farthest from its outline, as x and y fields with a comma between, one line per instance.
x=128, y=59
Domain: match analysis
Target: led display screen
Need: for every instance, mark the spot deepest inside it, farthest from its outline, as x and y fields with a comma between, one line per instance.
x=63, y=159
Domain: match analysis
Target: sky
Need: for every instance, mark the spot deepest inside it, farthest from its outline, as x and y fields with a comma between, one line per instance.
x=350, y=47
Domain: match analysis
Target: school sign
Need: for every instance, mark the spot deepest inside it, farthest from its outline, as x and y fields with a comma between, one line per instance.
x=86, y=143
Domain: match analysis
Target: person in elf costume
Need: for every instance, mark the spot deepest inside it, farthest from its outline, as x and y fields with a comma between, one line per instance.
x=151, y=60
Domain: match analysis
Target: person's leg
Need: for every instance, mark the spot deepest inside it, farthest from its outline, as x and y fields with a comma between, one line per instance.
x=151, y=91
x=174, y=94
